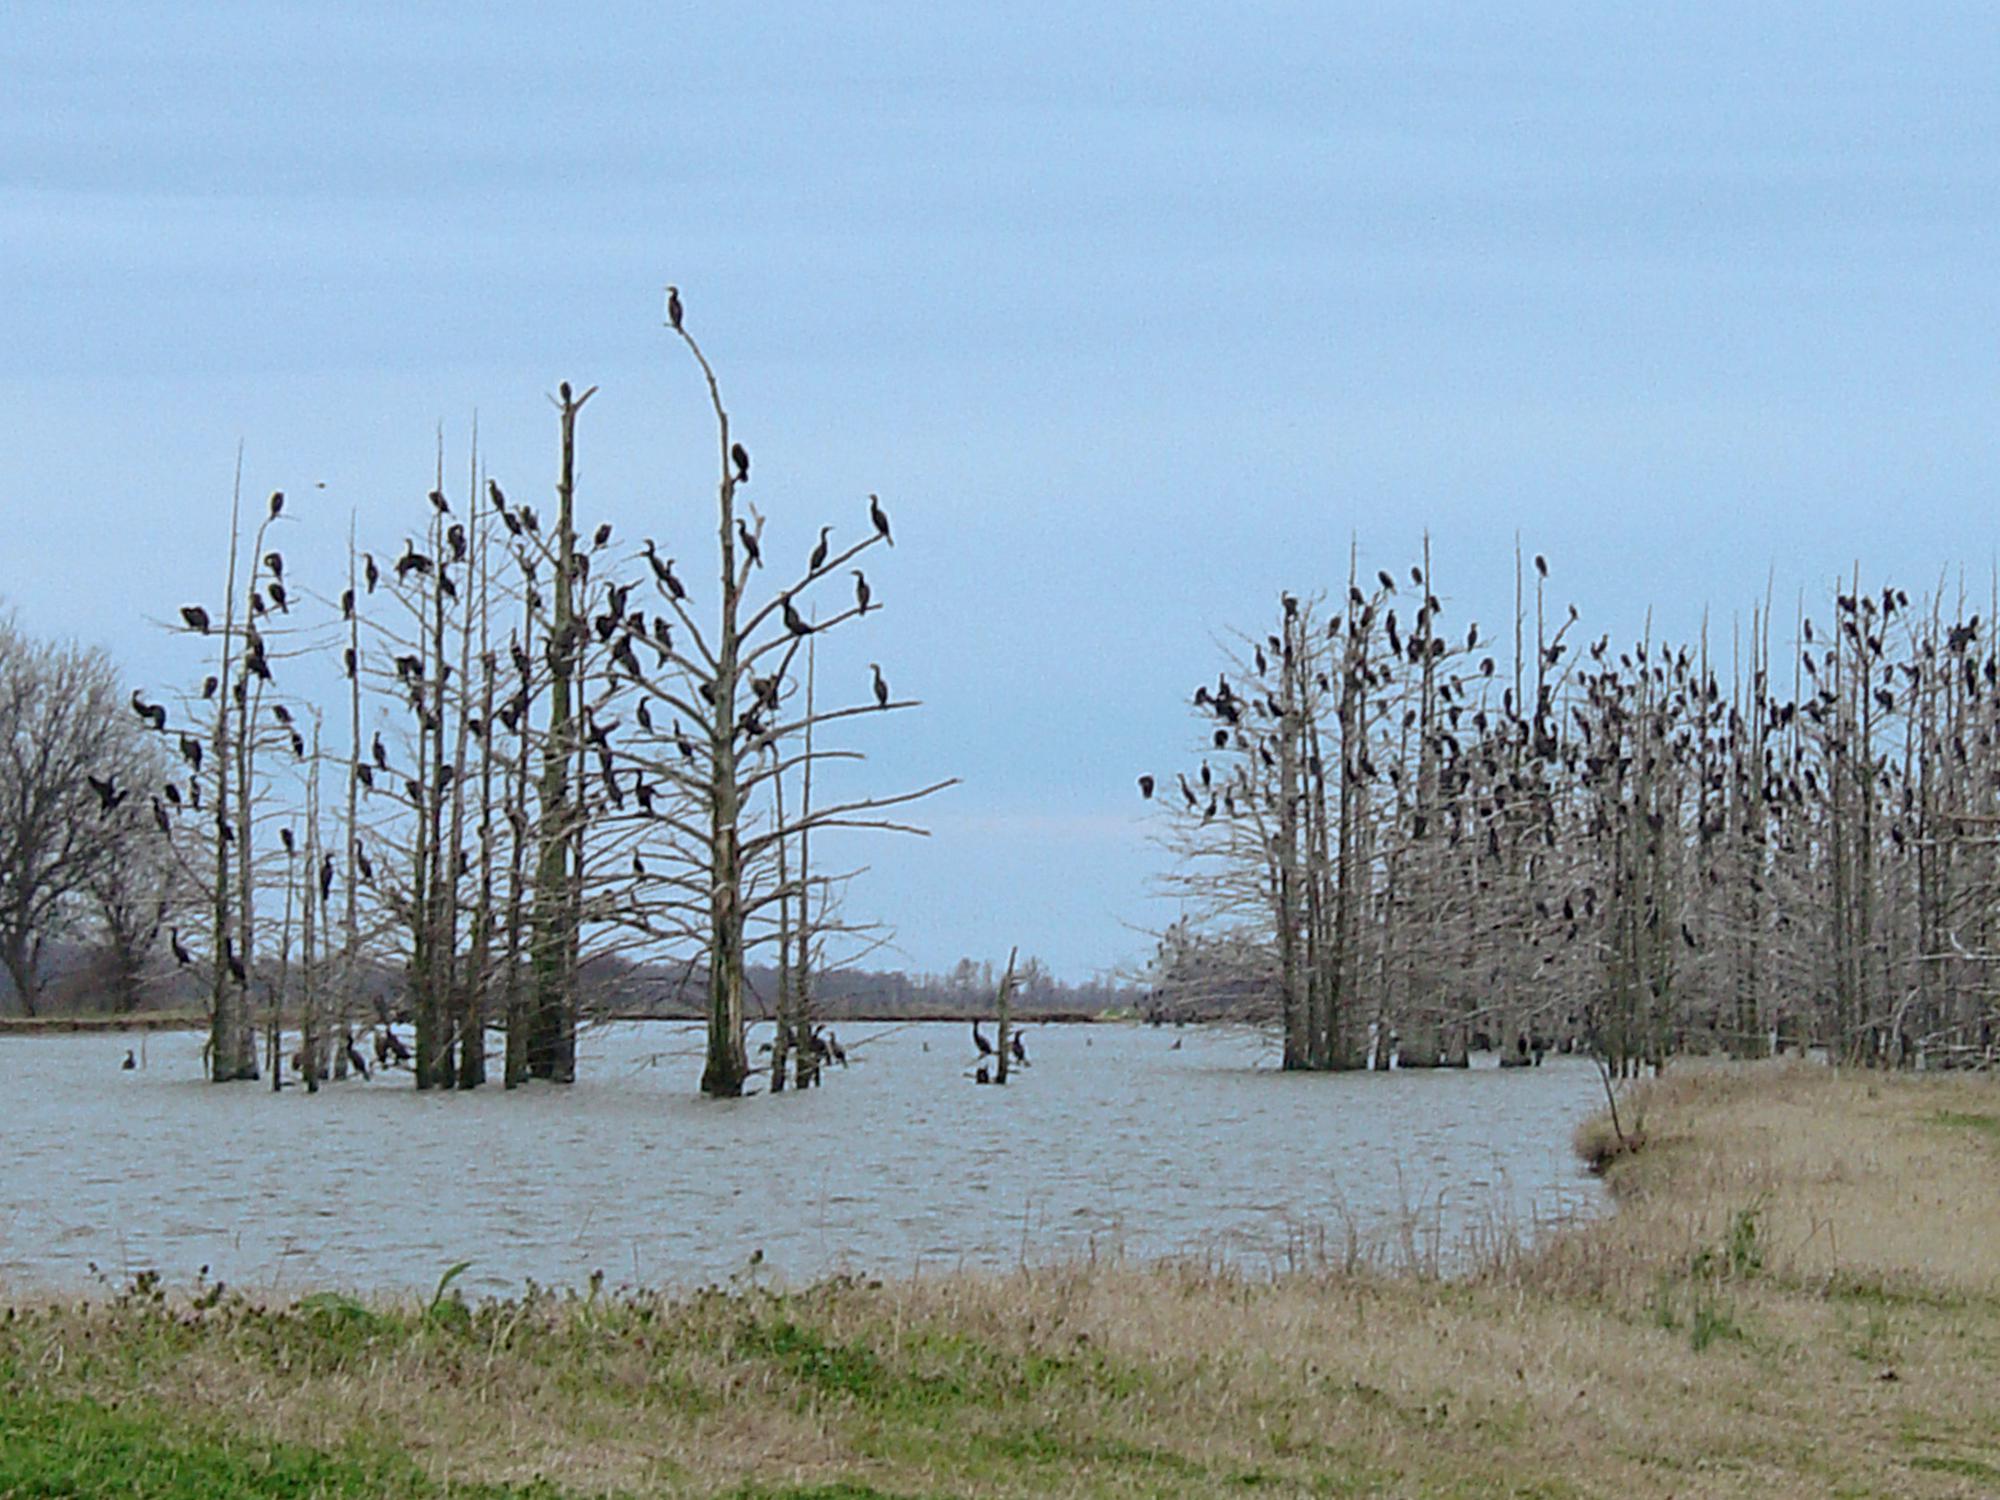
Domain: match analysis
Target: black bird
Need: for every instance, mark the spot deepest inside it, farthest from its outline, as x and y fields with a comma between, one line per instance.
x=131, y=1062
x=674, y=308
x=356, y=1061
x=107, y=792
x=181, y=954
x=819, y=553
x=381, y=753
x=985, y=1047
x=1146, y=787
x=285, y=838
x=1387, y=582
x=603, y=537
x=881, y=687
x=1541, y=565
x=793, y=622
x=861, y=591
x=236, y=969
x=160, y=817
x=349, y=661
x=208, y=687
x=740, y=456
x=456, y=537
x=645, y=716
x=325, y=878
x=275, y=561
x=881, y=519
x=1019, y=1050
x=749, y=541
x=277, y=503
x=439, y=503
x=411, y=561
x=173, y=793
x=196, y=617
x=361, y=863
x=373, y=573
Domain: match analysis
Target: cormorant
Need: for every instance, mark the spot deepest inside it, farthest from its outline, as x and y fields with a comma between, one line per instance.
x=196, y=617
x=381, y=752
x=325, y=878
x=439, y=503
x=277, y=503
x=131, y=1062
x=356, y=1061
x=740, y=456
x=748, y=539
x=373, y=573
x=173, y=792
x=880, y=518
x=645, y=716
x=674, y=308
x=985, y=1047
x=411, y=561
x=862, y=593
x=236, y=969
x=1541, y=565
x=603, y=536
x=819, y=553
x=1018, y=1049
x=793, y=622
x=154, y=714
x=275, y=561
x=1146, y=787
x=160, y=817
x=362, y=864
x=1387, y=582
x=881, y=687
x=208, y=687
x=107, y=791
x=181, y=954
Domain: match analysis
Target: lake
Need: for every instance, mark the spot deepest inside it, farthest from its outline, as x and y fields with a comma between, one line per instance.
x=1114, y=1142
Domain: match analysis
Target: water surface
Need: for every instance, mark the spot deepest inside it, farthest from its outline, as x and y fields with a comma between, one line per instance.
x=1115, y=1141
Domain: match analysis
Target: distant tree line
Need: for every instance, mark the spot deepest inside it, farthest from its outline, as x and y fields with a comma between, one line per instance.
x=1399, y=835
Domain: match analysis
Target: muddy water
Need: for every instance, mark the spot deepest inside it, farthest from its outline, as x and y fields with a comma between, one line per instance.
x=1115, y=1141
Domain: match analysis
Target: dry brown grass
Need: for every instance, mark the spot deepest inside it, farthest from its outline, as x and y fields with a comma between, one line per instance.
x=1799, y=1294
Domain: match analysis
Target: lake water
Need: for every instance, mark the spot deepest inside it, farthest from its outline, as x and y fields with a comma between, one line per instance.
x=1115, y=1141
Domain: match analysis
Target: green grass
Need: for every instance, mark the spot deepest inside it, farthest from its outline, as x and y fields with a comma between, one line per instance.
x=1967, y=1120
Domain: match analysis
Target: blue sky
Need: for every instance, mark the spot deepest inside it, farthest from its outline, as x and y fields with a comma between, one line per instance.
x=1132, y=318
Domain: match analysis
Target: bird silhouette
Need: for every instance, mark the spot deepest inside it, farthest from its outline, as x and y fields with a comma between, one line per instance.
x=740, y=456
x=196, y=617
x=818, y=559
x=793, y=622
x=862, y=594
x=881, y=519
x=985, y=1047
x=881, y=687
x=674, y=308
x=748, y=539
x=1146, y=787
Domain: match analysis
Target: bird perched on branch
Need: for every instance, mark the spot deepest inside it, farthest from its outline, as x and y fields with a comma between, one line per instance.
x=793, y=622
x=748, y=539
x=818, y=559
x=154, y=714
x=1146, y=787
x=277, y=503
x=674, y=308
x=985, y=1047
x=740, y=456
x=862, y=593
x=196, y=617
x=881, y=687
x=881, y=519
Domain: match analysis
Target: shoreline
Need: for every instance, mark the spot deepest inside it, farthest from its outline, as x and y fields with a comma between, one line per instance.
x=1797, y=1292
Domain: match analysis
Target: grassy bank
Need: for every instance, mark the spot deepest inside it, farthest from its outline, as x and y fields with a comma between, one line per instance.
x=1798, y=1295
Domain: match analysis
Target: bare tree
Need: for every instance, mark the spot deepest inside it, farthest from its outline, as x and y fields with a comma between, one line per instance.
x=72, y=772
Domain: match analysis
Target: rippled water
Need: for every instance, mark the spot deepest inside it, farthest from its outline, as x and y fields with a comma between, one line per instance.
x=1114, y=1141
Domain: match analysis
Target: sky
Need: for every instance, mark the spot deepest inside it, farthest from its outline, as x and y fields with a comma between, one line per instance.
x=1134, y=319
